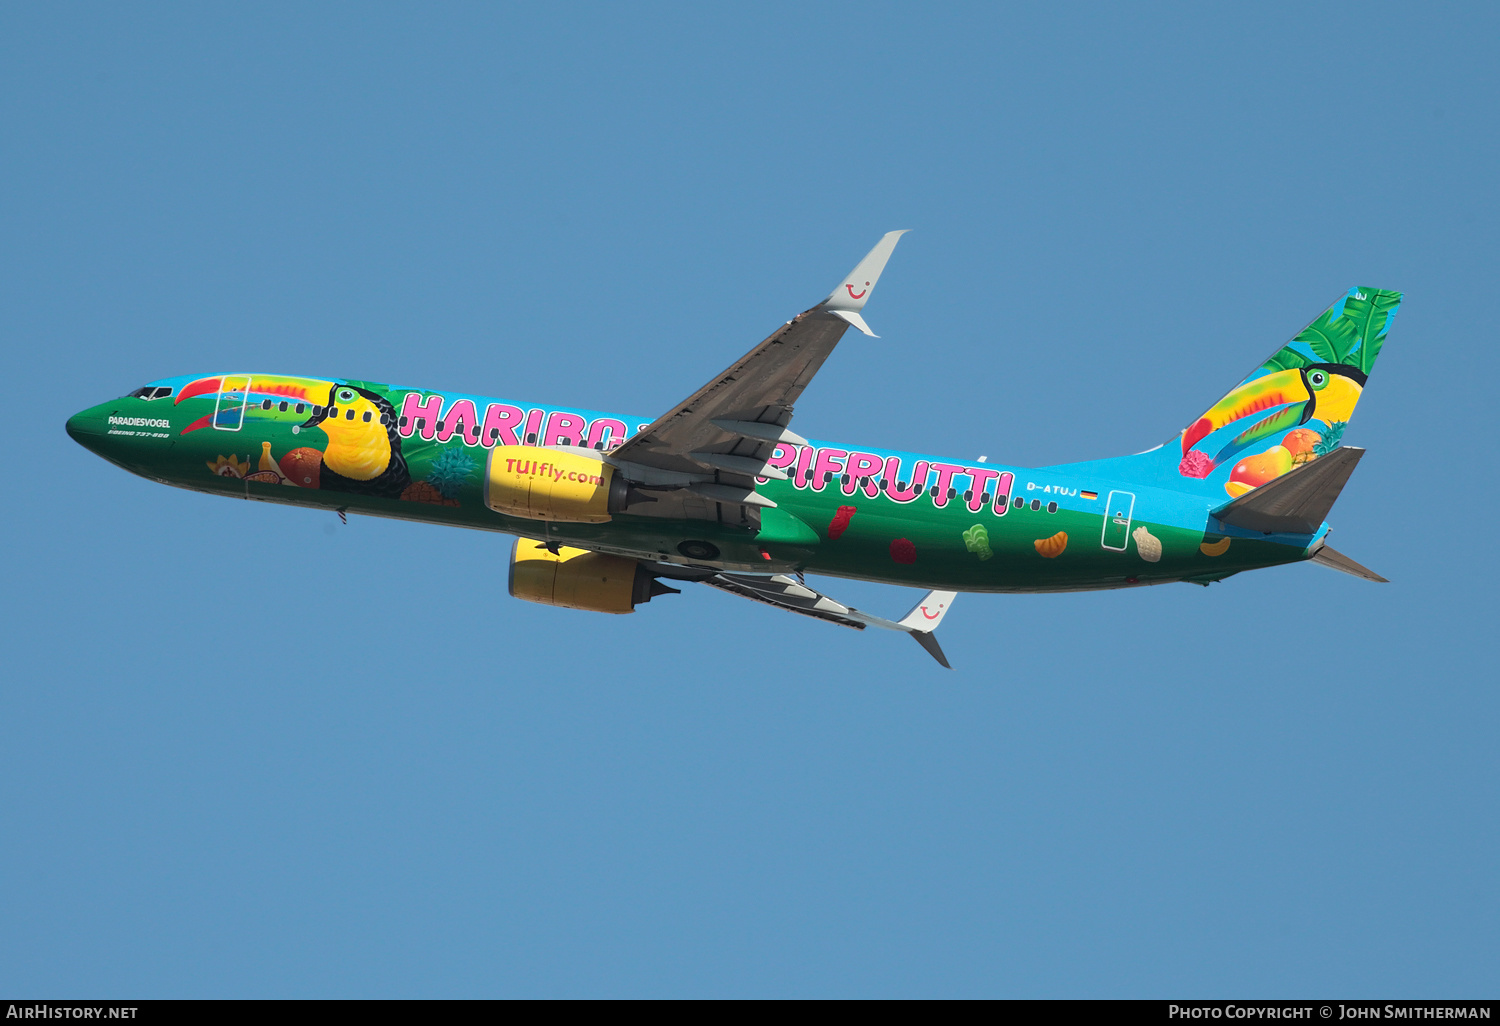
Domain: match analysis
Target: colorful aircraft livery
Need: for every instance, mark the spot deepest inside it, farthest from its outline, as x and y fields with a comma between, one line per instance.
x=720, y=491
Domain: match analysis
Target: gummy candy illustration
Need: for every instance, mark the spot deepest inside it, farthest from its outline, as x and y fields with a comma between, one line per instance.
x=1196, y=464
x=840, y=521
x=977, y=541
x=1051, y=548
x=1217, y=548
x=1147, y=544
x=903, y=551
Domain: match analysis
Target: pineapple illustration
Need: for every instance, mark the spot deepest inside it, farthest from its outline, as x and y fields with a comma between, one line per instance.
x=445, y=480
x=1331, y=438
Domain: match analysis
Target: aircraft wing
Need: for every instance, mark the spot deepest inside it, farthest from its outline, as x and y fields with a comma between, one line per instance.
x=788, y=593
x=724, y=433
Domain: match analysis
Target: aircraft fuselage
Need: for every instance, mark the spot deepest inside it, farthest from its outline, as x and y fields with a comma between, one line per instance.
x=843, y=510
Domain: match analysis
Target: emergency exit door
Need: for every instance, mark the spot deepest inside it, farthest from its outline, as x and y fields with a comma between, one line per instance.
x=229, y=406
x=1117, y=513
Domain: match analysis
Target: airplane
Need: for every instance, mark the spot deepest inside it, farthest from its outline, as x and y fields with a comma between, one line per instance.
x=719, y=490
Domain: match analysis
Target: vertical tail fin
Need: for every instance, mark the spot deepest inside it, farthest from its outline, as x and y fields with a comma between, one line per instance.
x=1290, y=410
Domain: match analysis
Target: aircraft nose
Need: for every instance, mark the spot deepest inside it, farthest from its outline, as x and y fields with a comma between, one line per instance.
x=87, y=427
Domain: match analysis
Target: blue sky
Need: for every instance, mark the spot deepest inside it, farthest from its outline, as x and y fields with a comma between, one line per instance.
x=222, y=776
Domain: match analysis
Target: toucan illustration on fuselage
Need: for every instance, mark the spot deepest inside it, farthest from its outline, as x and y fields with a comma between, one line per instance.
x=719, y=489
x=364, y=451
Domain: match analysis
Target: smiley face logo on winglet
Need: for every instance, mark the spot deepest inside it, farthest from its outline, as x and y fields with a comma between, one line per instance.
x=933, y=616
x=858, y=295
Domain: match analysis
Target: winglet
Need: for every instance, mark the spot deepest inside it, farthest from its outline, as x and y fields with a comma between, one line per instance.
x=854, y=291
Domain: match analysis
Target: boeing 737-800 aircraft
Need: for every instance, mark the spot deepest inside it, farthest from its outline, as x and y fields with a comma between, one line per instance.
x=721, y=491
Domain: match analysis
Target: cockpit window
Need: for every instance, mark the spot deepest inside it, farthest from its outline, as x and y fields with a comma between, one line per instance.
x=150, y=392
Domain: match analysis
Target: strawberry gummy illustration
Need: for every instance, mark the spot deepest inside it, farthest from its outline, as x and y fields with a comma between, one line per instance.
x=840, y=521
x=903, y=551
x=1195, y=464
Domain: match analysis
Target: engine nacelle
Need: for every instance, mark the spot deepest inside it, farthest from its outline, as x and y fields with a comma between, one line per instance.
x=580, y=579
x=544, y=484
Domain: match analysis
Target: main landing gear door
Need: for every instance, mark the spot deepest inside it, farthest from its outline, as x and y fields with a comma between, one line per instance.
x=229, y=405
x=1117, y=515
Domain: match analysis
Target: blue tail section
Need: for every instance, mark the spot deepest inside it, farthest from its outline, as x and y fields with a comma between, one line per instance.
x=1290, y=411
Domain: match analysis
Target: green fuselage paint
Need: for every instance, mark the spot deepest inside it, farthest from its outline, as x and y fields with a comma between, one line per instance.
x=848, y=511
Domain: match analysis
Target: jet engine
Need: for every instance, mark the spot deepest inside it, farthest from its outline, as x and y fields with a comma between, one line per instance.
x=545, y=484
x=580, y=579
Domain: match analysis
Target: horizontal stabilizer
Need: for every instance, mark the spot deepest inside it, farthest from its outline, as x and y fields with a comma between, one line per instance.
x=1298, y=501
x=1337, y=560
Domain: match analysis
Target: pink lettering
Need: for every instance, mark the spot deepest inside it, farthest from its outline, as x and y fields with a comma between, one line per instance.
x=500, y=423
x=424, y=414
x=783, y=456
x=800, y=473
x=977, y=490
x=1002, y=493
x=563, y=429
x=828, y=466
x=533, y=426
x=945, y=473
x=607, y=431
x=864, y=465
x=461, y=419
x=905, y=491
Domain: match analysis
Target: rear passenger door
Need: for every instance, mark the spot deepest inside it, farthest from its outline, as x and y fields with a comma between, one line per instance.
x=1117, y=513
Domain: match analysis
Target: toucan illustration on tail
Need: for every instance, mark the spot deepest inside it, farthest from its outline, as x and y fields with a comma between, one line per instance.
x=1298, y=402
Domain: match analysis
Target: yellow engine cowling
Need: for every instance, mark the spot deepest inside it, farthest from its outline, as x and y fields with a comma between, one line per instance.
x=545, y=484
x=580, y=579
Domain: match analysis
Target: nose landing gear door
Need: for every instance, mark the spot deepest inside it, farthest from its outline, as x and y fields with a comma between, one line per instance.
x=1117, y=515
x=229, y=405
